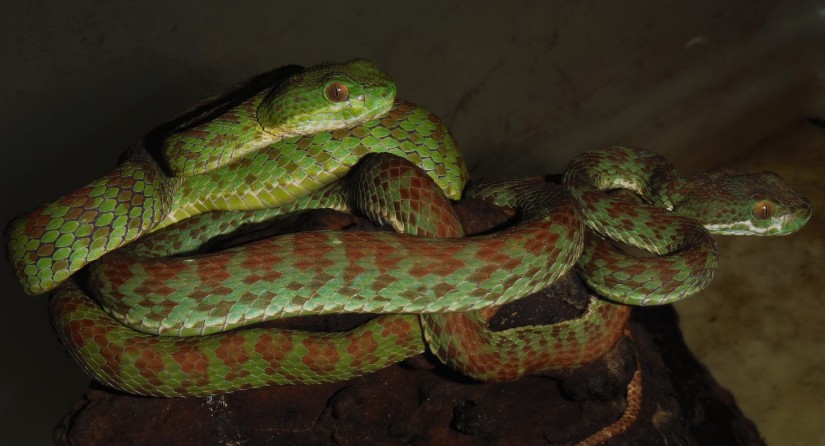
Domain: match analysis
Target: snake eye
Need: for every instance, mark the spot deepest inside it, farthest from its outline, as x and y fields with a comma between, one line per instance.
x=337, y=92
x=763, y=210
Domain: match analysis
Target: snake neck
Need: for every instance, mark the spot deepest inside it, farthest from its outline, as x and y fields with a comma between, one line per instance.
x=647, y=174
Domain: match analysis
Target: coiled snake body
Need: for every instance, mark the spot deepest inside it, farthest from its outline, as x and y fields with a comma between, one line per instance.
x=166, y=320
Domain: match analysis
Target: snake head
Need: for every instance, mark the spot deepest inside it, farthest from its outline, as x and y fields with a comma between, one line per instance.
x=327, y=97
x=733, y=202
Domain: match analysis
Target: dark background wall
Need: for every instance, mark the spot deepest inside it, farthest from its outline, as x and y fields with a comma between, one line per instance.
x=524, y=86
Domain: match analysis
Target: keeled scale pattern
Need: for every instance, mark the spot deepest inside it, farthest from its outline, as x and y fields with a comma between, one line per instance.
x=48, y=245
x=464, y=340
x=138, y=189
x=52, y=242
x=191, y=233
x=174, y=366
x=295, y=167
x=295, y=106
x=723, y=201
x=686, y=259
x=493, y=357
x=218, y=141
x=409, y=200
x=327, y=272
x=265, y=178
x=148, y=365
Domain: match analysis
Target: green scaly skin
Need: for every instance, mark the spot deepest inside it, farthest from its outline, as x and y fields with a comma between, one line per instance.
x=673, y=221
x=331, y=272
x=309, y=273
x=197, y=366
x=462, y=340
x=296, y=167
x=263, y=357
x=51, y=243
x=298, y=106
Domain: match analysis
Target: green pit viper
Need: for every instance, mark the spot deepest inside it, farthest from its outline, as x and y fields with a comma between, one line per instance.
x=333, y=136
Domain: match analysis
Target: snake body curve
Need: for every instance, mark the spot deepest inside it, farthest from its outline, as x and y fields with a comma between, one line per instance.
x=440, y=303
x=499, y=356
x=671, y=217
x=51, y=243
x=550, y=219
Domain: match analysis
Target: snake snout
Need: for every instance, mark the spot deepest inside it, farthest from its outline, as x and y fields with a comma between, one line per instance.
x=793, y=219
x=799, y=212
x=803, y=213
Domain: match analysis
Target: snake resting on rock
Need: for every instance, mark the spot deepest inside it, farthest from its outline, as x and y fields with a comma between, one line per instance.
x=157, y=316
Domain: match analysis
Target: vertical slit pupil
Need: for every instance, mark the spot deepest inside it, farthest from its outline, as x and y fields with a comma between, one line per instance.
x=337, y=92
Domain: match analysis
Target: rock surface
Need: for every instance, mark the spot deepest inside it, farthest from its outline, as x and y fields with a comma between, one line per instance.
x=420, y=402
